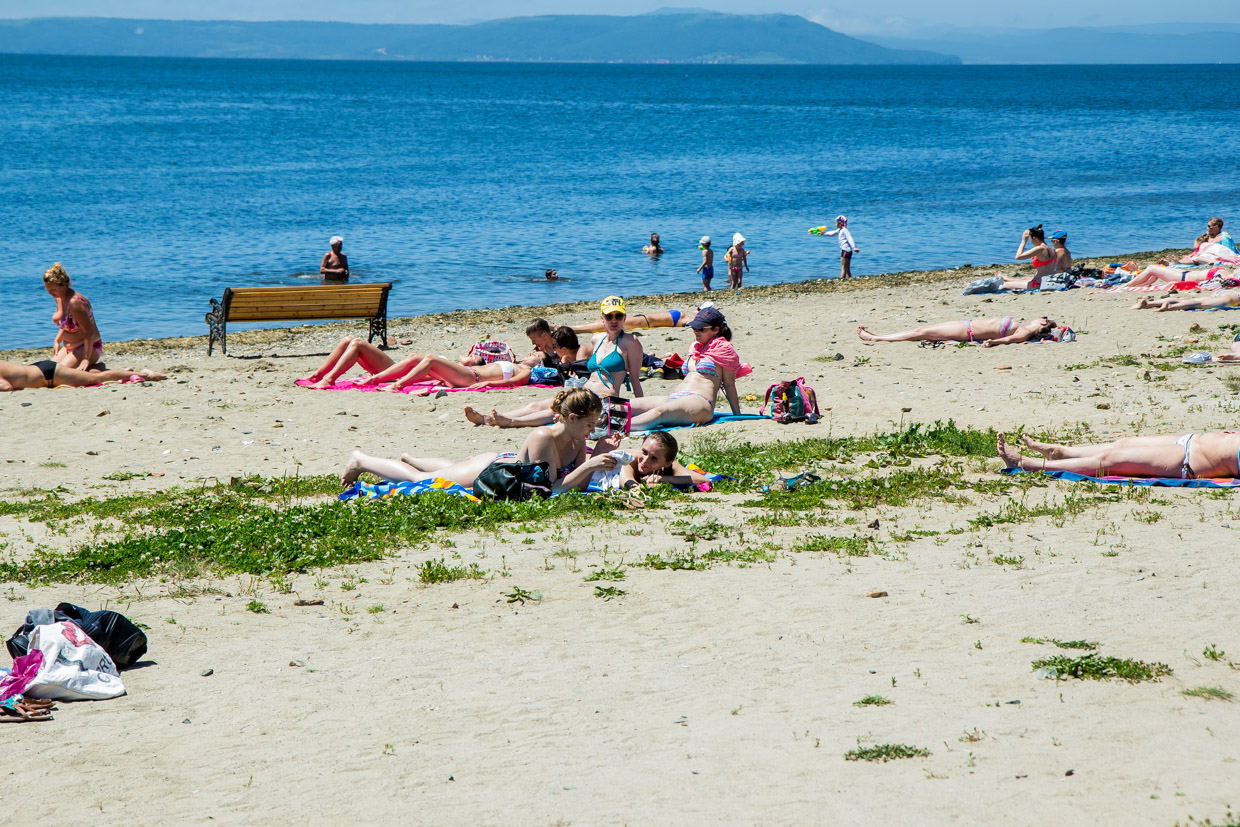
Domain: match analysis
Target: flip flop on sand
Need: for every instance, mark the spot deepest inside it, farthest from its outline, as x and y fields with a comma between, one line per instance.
x=19, y=710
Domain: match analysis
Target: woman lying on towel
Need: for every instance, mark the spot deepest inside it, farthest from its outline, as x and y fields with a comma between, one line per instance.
x=615, y=356
x=987, y=332
x=1188, y=457
x=713, y=364
x=654, y=464
x=639, y=321
x=1162, y=274
x=473, y=370
x=562, y=446
x=49, y=374
x=1219, y=298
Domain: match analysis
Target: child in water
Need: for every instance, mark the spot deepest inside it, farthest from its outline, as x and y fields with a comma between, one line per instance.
x=738, y=261
x=707, y=268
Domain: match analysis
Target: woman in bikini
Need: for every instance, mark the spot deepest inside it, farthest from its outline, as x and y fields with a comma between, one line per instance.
x=987, y=332
x=49, y=374
x=1191, y=456
x=77, y=342
x=615, y=356
x=639, y=321
x=1178, y=301
x=654, y=464
x=1041, y=256
x=477, y=375
x=561, y=445
x=713, y=364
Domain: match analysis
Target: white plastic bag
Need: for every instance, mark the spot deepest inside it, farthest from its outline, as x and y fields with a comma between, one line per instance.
x=74, y=668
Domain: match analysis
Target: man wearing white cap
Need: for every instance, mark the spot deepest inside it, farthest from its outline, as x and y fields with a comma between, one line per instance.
x=707, y=268
x=847, y=247
x=738, y=261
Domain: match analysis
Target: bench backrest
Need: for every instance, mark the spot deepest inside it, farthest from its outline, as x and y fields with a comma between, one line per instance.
x=320, y=301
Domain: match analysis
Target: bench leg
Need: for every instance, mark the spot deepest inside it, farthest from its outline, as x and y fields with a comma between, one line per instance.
x=378, y=327
x=216, y=328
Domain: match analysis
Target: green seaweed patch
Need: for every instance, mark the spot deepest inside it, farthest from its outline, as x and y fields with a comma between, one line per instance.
x=1209, y=693
x=1095, y=667
x=1062, y=644
x=848, y=546
x=438, y=571
x=874, y=700
x=676, y=562
x=886, y=752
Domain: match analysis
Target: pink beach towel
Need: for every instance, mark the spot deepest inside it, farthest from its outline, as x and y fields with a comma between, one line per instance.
x=416, y=387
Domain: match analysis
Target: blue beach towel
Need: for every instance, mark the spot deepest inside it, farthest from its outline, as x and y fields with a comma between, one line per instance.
x=715, y=420
x=383, y=490
x=1161, y=482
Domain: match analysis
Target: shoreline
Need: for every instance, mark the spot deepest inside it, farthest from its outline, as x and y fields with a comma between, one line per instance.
x=515, y=313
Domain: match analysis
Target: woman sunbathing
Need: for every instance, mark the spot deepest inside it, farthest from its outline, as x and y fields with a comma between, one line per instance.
x=562, y=446
x=1162, y=274
x=713, y=364
x=475, y=377
x=49, y=374
x=987, y=332
x=654, y=464
x=615, y=357
x=1178, y=301
x=350, y=351
x=639, y=321
x=1191, y=456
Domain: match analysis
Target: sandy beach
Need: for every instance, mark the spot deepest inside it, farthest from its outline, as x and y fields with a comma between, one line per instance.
x=722, y=695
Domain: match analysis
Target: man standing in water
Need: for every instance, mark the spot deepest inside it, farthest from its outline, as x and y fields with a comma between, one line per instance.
x=847, y=247
x=335, y=266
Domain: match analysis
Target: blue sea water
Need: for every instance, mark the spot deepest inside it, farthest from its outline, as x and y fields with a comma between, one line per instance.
x=158, y=182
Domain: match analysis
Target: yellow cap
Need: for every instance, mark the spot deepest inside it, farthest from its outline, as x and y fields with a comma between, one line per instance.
x=612, y=304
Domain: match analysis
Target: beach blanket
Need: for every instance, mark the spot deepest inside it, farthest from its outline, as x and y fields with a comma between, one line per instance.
x=1162, y=482
x=383, y=490
x=416, y=387
x=715, y=420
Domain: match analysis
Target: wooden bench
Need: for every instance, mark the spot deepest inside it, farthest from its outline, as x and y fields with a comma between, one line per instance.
x=293, y=304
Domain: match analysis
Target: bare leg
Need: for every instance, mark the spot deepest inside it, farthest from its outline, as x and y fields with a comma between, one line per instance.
x=479, y=418
x=443, y=370
x=1232, y=355
x=357, y=350
x=659, y=411
x=528, y=416
x=944, y=332
x=1155, y=274
x=464, y=472
x=1132, y=457
x=73, y=378
x=426, y=463
x=395, y=371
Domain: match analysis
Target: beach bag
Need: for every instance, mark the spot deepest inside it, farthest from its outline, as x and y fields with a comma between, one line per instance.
x=616, y=418
x=120, y=637
x=792, y=401
x=493, y=352
x=1062, y=334
x=543, y=375
x=513, y=481
x=1058, y=281
x=74, y=667
x=988, y=285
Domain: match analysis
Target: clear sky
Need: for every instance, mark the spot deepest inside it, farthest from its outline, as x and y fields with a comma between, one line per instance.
x=892, y=17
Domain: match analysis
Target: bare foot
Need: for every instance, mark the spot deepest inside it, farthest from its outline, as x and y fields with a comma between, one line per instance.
x=408, y=459
x=1046, y=449
x=865, y=335
x=501, y=421
x=1228, y=357
x=1141, y=305
x=1010, y=456
x=395, y=387
x=352, y=470
x=477, y=418
x=321, y=385
x=150, y=375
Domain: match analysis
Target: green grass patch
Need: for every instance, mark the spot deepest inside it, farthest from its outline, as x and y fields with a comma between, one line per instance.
x=609, y=592
x=886, y=752
x=874, y=700
x=848, y=546
x=257, y=607
x=606, y=573
x=1062, y=644
x=1095, y=667
x=438, y=571
x=676, y=562
x=1209, y=693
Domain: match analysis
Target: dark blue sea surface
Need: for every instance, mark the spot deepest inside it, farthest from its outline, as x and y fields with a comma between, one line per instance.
x=158, y=182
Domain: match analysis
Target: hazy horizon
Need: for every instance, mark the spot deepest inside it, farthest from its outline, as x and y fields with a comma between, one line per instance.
x=893, y=18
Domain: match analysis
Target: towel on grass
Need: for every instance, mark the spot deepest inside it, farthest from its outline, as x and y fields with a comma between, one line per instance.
x=383, y=490
x=416, y=387
x=1162, y=482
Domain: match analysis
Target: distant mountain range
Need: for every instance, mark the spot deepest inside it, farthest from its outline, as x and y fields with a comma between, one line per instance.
x=1162, y=43
x=670, y=36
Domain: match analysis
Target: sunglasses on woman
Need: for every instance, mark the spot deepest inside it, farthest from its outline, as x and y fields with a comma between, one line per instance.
x=613, y=317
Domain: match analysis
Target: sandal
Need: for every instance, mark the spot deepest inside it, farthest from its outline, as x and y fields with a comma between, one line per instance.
x=19, y=710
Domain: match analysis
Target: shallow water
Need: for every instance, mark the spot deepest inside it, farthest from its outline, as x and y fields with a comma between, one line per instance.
x=158, y=182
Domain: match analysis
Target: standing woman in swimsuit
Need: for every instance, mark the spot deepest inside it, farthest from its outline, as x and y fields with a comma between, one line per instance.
x=713, y=364
x=615, y=356
x=1041, y=256
x=561, y=445
x=77, y=342
x=986, y=332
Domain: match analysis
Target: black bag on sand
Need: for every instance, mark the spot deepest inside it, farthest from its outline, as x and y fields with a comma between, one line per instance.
x=124, y=642
x=516, y=481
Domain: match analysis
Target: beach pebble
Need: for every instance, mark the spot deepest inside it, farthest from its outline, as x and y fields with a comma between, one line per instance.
x=296, y=663
x=102, y=413
x=303, y=602
x=1003, y=367
x=92, y=453
x=1103, y=406
x=906, y=410
x=27, y=404
x=206, y=673
x=877, y=593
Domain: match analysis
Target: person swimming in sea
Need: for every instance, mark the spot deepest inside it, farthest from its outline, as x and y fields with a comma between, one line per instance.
x=654, y=248
x=335, y=265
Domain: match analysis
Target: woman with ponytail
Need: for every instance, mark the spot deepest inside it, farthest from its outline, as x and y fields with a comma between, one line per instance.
x=561, y=445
